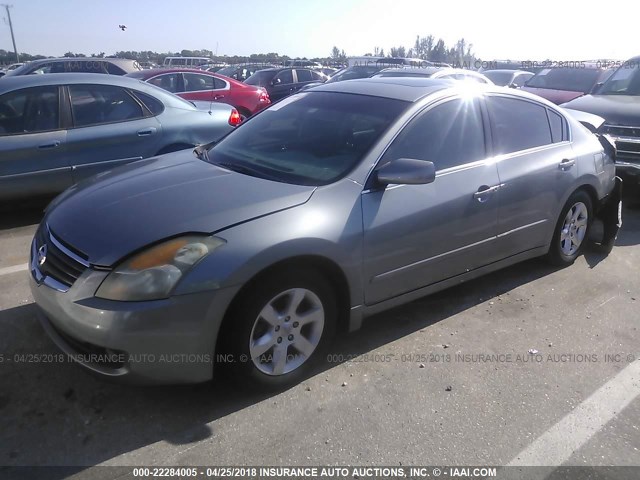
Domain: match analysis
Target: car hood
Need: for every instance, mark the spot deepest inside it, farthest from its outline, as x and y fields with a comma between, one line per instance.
x=115, y=213
x=555, y=96
x=615, y=109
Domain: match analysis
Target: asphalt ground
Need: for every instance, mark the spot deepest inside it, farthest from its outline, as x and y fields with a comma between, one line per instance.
x=530, y=365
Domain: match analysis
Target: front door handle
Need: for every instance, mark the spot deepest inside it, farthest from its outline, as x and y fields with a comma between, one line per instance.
x=566, y=163
x=146, y=132
x=49, y=145
x=484, y=192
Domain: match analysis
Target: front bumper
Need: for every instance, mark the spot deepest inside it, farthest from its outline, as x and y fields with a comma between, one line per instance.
x=166, y=341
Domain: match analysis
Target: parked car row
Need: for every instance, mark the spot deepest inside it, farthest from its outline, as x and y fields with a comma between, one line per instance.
x=56, y=130
x=617, y=101
x=206, y=86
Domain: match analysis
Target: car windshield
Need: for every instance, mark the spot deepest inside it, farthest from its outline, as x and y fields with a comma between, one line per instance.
x=313, y=138
x=571, y=79
x=19, y=71
x=260, y=78
x=625, y=81
x=227, y=71
x=499, y=78
x=406, y=73
x=352, y=73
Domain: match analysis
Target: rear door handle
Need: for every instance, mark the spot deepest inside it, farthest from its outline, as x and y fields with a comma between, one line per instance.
x=218, y=97
x=49, y=145
x=566, y=163
x=484, y=192
x=146, y=132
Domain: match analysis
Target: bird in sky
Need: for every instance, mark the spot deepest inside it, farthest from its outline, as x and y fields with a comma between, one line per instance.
x=122, y=27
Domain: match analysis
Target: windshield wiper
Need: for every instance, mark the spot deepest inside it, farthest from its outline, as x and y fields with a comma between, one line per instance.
x=202, y=151
x=246, y=170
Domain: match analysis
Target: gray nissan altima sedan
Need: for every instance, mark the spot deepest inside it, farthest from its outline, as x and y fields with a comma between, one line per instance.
x=329, y=206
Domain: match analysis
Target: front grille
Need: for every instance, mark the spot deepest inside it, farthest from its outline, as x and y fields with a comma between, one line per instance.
x=61, y=263
x=627, y=140
x=626, y=147
x=622, y=131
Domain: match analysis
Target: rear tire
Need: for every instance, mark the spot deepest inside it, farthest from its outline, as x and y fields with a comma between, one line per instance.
x=572, y=229
x=277, y=330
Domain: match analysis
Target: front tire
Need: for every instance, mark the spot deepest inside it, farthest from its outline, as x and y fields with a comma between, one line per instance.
x=572, y=229
x=278, y=329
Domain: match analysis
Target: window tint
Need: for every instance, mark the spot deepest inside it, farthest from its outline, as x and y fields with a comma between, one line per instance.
x=520, y=80
x=219, y=84
x=260, y=78
x=155, y=106
x=168, y=82
x=517, y=124
x=115, y=70
x=95, y=104
x=625, y=81
x=283, y=78
x=304, y=75
x=316, y=76
x=44, y=68
x=571, y=79
x=309, y=139
x=194, y=82
x=557, y=126
x=448, y=135
x=28, y=111
x=499, y=77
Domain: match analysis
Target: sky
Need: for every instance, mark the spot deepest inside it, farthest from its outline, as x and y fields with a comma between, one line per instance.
x=523, y=30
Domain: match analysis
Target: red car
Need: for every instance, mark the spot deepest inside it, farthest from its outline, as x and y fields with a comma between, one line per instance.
x=561, y=84
x=192, y=84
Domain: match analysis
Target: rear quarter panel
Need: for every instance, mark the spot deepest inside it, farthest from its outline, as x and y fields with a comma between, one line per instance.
x=195, y=127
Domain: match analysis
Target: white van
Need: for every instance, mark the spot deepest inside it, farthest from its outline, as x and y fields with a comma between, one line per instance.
x=185, y=62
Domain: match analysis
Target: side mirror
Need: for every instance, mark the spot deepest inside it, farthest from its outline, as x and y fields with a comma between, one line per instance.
x=406, y=171
x=595, y=88
x=513, y=85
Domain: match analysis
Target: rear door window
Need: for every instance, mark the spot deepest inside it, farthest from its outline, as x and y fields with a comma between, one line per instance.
x=284, y=78
x=194, y=82
x=518, y=124
x=155, y=106
x=168, y=82
x=98, y=104
x=304, y=76
x=557, y=127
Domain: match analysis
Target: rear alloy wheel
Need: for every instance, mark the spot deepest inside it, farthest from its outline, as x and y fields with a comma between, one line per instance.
x=574, y=229
x=278, y=329
x=571, y=230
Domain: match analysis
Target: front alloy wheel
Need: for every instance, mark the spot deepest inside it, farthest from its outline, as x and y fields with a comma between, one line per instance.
x=277, y=329
x=287, y=331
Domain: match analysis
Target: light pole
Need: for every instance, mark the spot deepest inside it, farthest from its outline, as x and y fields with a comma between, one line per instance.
x=13, y=38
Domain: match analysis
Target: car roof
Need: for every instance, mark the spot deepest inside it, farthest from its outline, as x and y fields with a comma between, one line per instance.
x=115, y=61
x=278, y=69
x=505, y=70
x=25, y=81
x=152, y=72
x=430, y=70
x=412, y=89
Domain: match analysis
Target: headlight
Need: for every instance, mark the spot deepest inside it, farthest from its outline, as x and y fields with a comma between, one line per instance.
x=152, y=274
